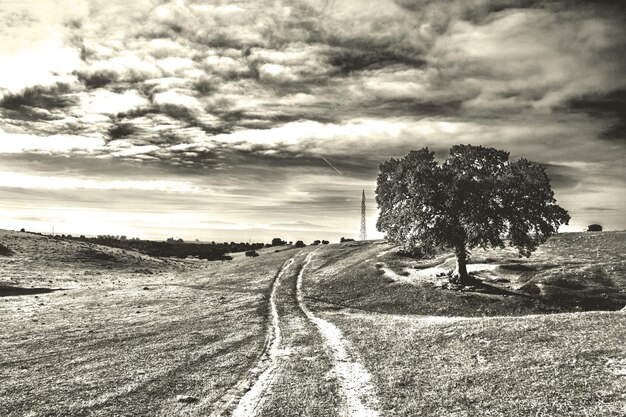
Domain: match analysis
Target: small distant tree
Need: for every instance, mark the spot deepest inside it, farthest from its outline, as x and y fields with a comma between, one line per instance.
x=594, y=228
x=325, y=242
x=300, y=244
x=475, y=198
x=278, y=242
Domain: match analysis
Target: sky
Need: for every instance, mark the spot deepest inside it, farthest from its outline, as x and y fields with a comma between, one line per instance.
x=248, y=120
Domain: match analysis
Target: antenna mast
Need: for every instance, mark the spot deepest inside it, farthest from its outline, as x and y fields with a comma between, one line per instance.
x=363, y=235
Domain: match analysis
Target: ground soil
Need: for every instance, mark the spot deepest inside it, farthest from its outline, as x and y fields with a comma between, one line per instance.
x=340, y=330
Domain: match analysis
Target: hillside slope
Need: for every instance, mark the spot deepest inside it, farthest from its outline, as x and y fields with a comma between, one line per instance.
x=123, y=333
x=442, y=352
x=571, y=272
x=333, y=330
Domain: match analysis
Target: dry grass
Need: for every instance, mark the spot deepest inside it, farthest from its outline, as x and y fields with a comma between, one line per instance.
x=568, y=275
x=348, y=278
x=305, y=384
x=433, y=352
x=127, y=333
x=552, y=365
x=120, y=333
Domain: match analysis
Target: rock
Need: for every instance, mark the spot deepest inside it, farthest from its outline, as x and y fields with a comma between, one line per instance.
x=186, y=399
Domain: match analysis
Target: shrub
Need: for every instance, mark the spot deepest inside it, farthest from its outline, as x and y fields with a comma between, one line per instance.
x=300, y=244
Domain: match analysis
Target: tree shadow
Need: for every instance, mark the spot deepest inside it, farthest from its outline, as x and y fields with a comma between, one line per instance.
x=4, y=251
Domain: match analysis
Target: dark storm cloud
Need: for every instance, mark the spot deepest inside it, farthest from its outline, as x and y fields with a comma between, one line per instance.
x=358, y=56
x=599, y=209
x=98, y=79
x=250, y=94
x=563, y=177
x=42, y=97
x=610, y=107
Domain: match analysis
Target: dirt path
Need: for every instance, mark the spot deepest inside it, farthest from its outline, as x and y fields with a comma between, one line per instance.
x=354, y=379
x=252, y=400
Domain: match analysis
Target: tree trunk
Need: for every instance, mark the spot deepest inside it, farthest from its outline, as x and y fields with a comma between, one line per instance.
x=460, y=275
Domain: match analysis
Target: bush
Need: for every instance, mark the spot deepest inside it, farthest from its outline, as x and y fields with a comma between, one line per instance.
x=252, y=253
x=4, y=251
x=300, y=244
x=325, y=242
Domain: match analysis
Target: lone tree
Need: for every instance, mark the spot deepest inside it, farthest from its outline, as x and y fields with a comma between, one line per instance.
x=474, y=198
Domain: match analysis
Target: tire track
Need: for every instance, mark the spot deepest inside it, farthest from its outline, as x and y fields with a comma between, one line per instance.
x=354, y=379
x=252, y=400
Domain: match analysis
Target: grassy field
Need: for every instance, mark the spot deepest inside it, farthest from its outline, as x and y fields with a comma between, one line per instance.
x=97, y=331
x=493, y=351
x=572, y=272
x=124, y=334
x=571, y=364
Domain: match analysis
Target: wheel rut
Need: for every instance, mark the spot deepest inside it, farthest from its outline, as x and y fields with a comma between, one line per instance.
x=307, y=368
x=355, y=381
x=246, y=397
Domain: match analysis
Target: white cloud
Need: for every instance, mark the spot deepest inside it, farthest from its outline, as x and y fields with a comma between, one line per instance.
x=57, y=182
x=172, y=65
x=45, y=62
x=225, y=64
x=128, y=66
x=176, y=98
x=163, y=47
x=19, y=142
x=318, y=133
x=123, y=147
x=277, y=71
x=107, y=102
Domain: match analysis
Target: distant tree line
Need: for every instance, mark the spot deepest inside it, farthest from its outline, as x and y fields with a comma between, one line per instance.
x=175, y=248
x=178, y=248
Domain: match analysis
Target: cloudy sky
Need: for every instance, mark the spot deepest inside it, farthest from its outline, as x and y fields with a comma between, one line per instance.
x=211, y=119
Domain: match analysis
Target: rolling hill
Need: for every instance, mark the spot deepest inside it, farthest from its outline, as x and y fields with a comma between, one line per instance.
x=342, y=329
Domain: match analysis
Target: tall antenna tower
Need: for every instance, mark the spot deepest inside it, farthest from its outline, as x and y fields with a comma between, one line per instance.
x=363, y=235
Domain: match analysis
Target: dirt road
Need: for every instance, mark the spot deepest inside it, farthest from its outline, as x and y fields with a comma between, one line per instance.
x=309, y=369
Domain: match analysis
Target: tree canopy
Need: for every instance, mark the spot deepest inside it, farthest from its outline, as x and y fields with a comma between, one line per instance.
x=475, y=198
